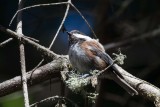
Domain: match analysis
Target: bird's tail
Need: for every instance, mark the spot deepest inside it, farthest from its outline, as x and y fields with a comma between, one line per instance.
x=121, y=81
x=118, y=77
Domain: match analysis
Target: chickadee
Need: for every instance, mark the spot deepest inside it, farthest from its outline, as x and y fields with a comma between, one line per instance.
x=86, y=54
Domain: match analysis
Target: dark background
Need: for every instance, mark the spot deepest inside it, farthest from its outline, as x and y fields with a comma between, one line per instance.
x=112, y=21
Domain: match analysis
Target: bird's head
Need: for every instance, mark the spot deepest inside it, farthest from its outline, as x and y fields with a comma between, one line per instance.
x=76, y=36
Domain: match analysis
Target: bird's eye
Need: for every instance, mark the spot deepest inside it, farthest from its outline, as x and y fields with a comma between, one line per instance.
x=82, y=39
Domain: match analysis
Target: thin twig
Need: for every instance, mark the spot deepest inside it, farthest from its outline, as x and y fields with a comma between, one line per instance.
x=60, y=27
x=151, y=34
x=64, y=18
x=32, y=71
x=102, y=71
x=123, y=7
x=55, y=98
x=38, y=5
x=121, y=10
x=84, y=19
x=5, y=42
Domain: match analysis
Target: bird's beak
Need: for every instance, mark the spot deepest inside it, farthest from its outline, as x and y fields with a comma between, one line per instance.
x=69, y=33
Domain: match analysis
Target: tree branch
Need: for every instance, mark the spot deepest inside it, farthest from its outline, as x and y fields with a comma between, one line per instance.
x=46, y=52
x=41, y=74
x=144, y=88
x=151, y=34
x=53, y=69
x=49, y=70
x=5, y=42
x=22, y=56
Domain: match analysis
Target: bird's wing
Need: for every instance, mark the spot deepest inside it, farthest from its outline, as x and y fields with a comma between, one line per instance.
x=116, y=75
x=95, y=49
x=108, y=60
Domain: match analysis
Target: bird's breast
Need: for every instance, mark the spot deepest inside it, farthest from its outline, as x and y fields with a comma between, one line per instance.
x=79, y=60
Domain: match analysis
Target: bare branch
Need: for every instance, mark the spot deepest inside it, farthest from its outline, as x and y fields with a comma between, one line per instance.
x=23, y=70
x=22, y=56
x=46, y=52
x=144, y=88
x=41, y=74
x=49, y=70
x=5, y=42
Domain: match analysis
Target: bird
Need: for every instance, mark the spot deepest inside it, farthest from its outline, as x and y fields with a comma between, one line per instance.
x=87, y=54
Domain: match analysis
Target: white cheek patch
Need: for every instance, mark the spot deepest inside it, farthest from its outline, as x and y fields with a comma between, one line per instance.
x=82, y=36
